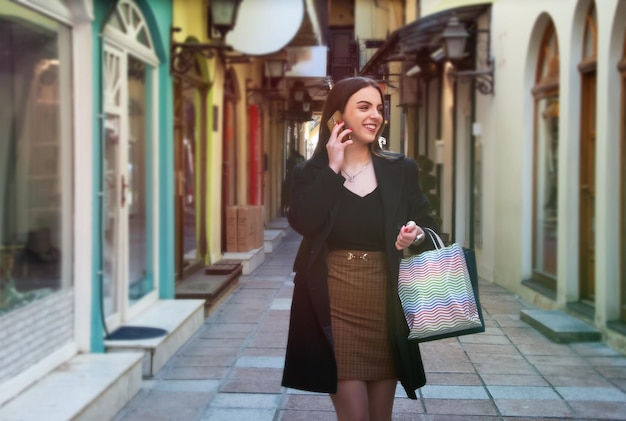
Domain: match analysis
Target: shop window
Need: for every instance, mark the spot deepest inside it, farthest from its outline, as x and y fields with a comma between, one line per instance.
x=35, y=157
x=546, y=152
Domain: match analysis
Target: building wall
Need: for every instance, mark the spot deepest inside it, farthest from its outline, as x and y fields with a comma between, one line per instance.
x=191, y=18
x=503, y=131
x=516, y=31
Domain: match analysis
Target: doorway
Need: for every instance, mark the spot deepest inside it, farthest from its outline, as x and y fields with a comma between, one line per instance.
x=587, y=190
x=189, y=169
x=127, y=214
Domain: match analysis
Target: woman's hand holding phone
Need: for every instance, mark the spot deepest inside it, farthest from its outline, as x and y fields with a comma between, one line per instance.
x=338, y=141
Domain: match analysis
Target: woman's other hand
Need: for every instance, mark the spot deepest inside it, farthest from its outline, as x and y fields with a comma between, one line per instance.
x=407, y=235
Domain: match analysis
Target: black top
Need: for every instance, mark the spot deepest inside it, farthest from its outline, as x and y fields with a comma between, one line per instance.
x=359, y=223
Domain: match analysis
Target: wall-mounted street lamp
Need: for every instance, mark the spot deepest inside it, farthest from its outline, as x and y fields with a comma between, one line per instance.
x=274, y=68
x=222, y=15
x=455, y=38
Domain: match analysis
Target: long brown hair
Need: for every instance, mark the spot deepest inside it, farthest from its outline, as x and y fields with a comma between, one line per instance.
x=337, y=99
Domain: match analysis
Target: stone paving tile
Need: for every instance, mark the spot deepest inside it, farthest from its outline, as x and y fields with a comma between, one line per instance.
x=621, y=383
x=281, y=304
x=164, y=405
x=460, y=406
x=200, y=350
x=405, y=405
x=446, y=348
x=555, y=360
x=456, y=392
x=187, y=386
x=194, y=373
x=264, y=352
x=483, y=338
x=237, y=414
x=522, y=332
x=600, y=410
x=530, y=340
x=523, y=392
x=597, y=394
x=213, y=361
x=612, y=372
x=303, y=402
x=238, y=313
x=613, y=361
x=520, y=368
x=534, y=408
x=511, y=321
x=307, y=415
x=594, y=349
x=491, y=349
x=253, y=380
x=270, y=340
x=565, y=370
x=498, y=379
x=448, y=366
x=448, y=417
x=227, y=330
x=480, y=357
x=246, y=400
x=585, y=381
x=260, y=362
x=546, y=349
x=275, y=322
x=454, y=379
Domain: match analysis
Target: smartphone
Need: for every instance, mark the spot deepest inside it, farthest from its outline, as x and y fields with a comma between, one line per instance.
x=335, y=118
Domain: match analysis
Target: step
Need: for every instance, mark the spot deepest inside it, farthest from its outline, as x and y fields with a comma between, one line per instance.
x=272, y=239
x=87, y=387
x=279, y=224
x=180, y=318
x=560, y=327
x=250, y=260
x=212, y=285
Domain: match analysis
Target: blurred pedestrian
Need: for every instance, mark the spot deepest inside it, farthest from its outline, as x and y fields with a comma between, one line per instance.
x=294, y=159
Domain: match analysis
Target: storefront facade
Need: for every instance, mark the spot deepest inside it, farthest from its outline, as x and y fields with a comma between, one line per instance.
x=86, y=209
x=526, y=137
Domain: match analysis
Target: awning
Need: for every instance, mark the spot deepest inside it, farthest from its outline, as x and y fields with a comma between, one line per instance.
x=421, y=36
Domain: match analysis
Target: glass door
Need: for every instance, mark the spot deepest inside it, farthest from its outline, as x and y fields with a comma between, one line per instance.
x=127, y=262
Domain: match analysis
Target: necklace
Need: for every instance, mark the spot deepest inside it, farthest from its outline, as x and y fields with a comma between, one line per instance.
x=352, y=177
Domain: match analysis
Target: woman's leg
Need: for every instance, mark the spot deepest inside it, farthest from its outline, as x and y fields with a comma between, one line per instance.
x=350, y=401
x=380, y=398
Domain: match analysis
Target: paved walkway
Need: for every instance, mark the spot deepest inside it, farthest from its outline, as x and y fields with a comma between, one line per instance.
x=230, y=370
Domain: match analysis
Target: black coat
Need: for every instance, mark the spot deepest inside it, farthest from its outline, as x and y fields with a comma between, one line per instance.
x=310, y=361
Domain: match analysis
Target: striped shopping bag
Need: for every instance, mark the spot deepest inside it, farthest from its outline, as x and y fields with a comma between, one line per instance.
x=438, y=290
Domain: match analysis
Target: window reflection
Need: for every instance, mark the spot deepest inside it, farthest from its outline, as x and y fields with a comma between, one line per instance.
x=546, y=187
x=140, y=283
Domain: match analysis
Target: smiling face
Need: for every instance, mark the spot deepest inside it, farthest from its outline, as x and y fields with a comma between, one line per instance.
x=363, y=113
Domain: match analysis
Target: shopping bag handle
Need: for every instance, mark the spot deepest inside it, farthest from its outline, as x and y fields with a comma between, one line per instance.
x=434, y=237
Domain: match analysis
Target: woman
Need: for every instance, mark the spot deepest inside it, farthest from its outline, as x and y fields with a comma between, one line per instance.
x=358, y=208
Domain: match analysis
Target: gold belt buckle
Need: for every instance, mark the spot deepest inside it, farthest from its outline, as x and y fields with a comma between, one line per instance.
x=352, y=256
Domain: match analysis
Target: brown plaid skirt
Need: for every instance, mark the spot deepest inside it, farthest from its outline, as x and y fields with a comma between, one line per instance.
x=357, y=292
